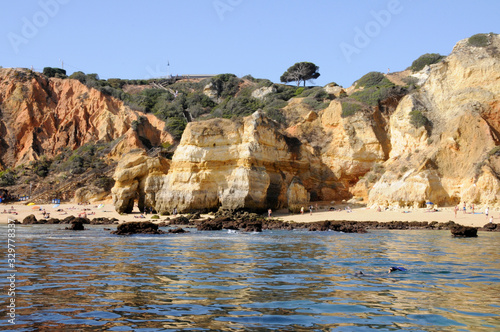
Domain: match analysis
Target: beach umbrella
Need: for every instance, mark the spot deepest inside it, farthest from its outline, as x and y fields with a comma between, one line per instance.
x=29, y=204
x=56, y=206
x=100, y=206
x=35, y=207
x=429, y=203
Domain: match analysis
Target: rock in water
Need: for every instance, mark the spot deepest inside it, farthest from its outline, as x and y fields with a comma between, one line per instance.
x=463, y=231
x=76, y=225
x=137, y=227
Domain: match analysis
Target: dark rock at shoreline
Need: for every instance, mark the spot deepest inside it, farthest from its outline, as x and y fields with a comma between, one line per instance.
x=137, y=227
x=463, y=231
x=344, y=226
x=211, y=224
x=181, y=220
x=30, y=220
x=71, y=219
x=177, y=231
x=251, y=222
x=104, y=221
x=491, y=227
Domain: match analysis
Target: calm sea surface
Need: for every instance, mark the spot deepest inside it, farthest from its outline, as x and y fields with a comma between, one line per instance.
x=275, y=280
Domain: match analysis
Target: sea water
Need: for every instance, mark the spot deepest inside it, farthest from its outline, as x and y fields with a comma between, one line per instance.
x=230, y=281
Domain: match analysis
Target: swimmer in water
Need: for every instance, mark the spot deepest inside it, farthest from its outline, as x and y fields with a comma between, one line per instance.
x=391, y=269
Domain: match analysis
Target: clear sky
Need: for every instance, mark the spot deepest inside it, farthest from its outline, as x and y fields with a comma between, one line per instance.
x=137, y=39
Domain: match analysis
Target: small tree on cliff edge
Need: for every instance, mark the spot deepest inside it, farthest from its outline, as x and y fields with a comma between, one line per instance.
x=301, y=71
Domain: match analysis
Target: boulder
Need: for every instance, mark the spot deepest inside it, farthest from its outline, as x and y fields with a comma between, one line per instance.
x=177, y=231
x=76, y=225
x=137, y=227
x=31, y=219
x=491, y=227
x=463, y=231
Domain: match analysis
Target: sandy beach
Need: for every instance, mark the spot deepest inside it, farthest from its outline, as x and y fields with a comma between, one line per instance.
x=105, y=209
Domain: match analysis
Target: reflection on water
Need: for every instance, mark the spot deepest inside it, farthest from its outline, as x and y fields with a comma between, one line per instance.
x=290, y=280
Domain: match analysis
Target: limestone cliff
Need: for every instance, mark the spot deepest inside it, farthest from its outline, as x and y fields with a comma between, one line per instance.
x=40, y=116
x=232, y=164
x=449, y=157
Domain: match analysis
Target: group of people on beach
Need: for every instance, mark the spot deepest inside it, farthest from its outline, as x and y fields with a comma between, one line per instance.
x=472, y=211
x=12, y=210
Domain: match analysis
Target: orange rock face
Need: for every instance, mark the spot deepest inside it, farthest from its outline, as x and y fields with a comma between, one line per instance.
x=41, y=116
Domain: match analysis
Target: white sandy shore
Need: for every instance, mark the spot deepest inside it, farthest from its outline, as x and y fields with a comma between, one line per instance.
x=357, y=214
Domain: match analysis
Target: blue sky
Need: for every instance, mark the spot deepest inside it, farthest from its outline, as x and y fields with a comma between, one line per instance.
x=136, y=39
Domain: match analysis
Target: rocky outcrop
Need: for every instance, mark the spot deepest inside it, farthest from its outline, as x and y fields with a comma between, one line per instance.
x=222, y=163
x=334, y=89
x=138, y=177
x=90, y=194
x=260, y=93
x=237, y=164
x=41, y=116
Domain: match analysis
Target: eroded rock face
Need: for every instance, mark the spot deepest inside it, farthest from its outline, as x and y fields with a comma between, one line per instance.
x=222, y=163
x=138, y=177
x=246, y=164
x=450, y=159
x=40, y=116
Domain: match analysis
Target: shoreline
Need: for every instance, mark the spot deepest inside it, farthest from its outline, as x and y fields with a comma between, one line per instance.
x=360, y=214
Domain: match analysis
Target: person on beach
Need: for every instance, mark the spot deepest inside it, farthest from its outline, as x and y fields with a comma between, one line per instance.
x=491, y=219
x=456, y=210
x=487, y=211
x=311, y=210
x=269, y=212
x=465, y=209
x=302, y=210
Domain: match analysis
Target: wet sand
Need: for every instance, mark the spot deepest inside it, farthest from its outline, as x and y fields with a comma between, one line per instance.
x=107, y=210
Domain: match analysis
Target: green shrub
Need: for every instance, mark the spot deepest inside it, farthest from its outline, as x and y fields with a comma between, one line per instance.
x=479, y=40
x=350, y=108
x=226, y=85
x=54, y=72
x=155, y=216
x=273, y=110
x=283, y=92
x=410, y=81
x=371, y=96
x=7, y=178
x=41, y=167
x=299, y=91
x=372, y=79
x=175, y=126
x=418, y=119
x=424, y=60
x=239, y=106
x=315, y=92
x=315, y=104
